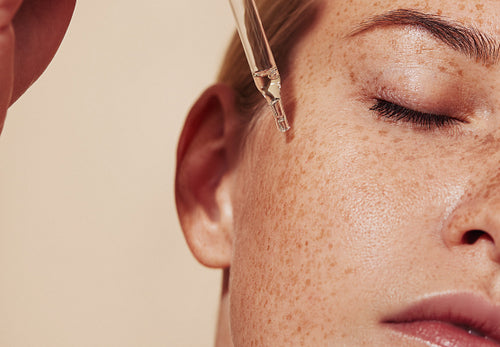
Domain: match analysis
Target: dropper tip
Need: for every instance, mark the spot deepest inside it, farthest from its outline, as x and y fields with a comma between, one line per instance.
x=280, y=116
x=283, y=125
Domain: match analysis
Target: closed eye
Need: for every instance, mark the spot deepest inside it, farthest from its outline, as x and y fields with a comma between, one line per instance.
x=423, y=120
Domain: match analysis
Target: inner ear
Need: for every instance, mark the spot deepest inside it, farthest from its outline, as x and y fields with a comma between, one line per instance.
x=203, y=177
x=204, y=155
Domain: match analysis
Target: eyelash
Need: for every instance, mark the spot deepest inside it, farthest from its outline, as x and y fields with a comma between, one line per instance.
x=426, y=121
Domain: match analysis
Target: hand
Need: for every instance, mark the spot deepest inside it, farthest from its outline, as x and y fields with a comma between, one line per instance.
x=30, y=33
x=8, y=9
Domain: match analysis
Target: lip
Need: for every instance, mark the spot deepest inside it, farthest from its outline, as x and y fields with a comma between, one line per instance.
x=444, y=320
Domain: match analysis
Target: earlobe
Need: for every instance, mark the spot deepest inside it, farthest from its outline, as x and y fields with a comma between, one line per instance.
x=203, y=177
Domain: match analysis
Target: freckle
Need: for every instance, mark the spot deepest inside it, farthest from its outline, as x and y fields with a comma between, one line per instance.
x=352, y=76
x=348, y=271
x=308, y=283
x=488, y=140
x=383, y=132
x=330, y=246
x=479, y=7
x=365, y=138
x=397, y=140
x=442, y=68
x=460, y=73
x=439, y=12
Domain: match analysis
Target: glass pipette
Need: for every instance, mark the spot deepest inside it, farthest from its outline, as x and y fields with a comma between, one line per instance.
x=260, y=58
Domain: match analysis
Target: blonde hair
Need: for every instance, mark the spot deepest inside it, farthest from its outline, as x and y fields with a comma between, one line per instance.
x=283, y=20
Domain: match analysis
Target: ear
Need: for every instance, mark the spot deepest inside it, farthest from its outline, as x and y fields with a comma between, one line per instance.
x=204, y=175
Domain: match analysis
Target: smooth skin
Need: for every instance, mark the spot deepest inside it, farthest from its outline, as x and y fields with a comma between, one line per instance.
x=351, y=216
x=30, y=34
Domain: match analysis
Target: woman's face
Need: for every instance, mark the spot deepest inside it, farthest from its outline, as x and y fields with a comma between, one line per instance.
x=382, y=205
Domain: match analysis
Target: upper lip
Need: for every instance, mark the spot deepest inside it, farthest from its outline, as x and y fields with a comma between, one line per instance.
x=463, y=310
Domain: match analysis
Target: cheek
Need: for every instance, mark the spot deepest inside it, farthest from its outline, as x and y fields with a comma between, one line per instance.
x=276, y=292
x=325, y=219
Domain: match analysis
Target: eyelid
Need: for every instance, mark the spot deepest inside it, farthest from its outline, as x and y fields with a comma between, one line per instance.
x=430, y=94
x=426, y=121
x=434, y=100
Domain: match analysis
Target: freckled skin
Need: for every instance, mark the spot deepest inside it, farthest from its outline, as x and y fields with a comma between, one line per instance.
x=356, y=217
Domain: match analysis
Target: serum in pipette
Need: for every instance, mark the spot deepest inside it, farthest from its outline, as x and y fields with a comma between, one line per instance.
x=268, y=82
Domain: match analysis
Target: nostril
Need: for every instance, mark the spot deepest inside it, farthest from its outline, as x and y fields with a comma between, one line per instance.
x=472, y=236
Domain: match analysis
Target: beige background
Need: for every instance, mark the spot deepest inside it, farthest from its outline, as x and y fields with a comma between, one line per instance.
x=91, y=253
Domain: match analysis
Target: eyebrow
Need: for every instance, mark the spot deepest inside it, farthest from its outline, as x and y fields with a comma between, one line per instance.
x=469, y=41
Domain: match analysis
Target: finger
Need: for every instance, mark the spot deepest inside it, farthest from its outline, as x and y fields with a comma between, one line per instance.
x=7, y=43
x=40, y=26
x=8, y=9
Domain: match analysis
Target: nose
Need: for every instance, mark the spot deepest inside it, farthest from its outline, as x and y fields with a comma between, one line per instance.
x=475, y=222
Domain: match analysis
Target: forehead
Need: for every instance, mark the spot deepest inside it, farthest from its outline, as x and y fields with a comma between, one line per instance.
x=340, y=17
x=328, y=46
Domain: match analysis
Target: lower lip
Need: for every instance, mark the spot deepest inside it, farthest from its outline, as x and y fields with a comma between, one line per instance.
x=441, y=334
